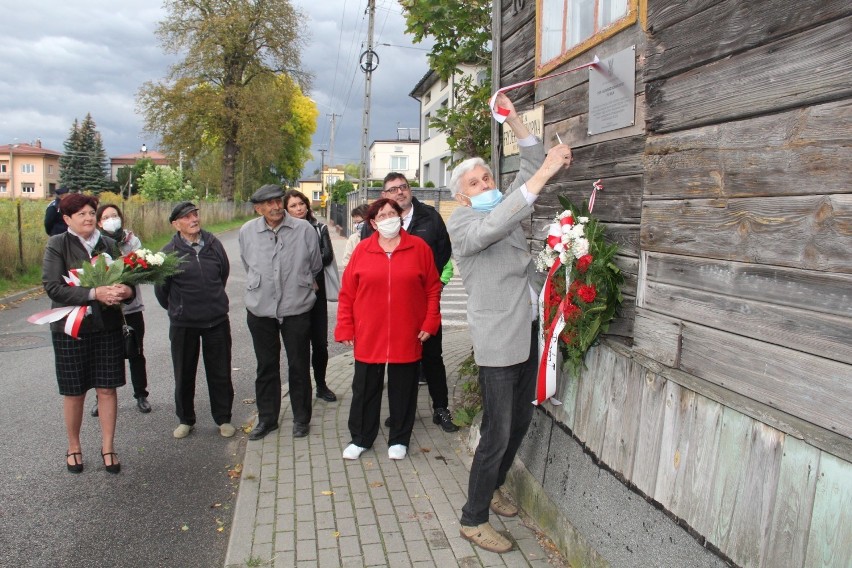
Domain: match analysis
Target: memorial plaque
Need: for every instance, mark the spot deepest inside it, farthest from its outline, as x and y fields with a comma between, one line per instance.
x=534, y=121
x=612, y=86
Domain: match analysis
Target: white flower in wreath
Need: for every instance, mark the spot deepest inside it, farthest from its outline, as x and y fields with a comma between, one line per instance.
x=155, y=259
x=580, y=247
x=577, y=231
x=583, y=220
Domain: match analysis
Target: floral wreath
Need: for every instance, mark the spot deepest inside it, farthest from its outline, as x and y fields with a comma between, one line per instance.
x=582, y=290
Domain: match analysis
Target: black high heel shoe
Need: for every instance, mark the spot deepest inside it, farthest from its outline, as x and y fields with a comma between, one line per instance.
x=114, y=467
x=77, y=467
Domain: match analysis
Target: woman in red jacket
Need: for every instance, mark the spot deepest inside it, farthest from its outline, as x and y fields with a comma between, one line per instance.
x=389, y=305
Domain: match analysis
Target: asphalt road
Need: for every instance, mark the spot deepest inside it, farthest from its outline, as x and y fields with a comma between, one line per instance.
x=172, y=503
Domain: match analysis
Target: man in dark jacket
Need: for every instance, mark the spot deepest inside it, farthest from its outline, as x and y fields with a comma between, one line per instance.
x=54, y=224
x=424, y=221
x=198, y=313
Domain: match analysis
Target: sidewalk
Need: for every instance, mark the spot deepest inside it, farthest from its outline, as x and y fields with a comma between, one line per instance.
x=301, y=504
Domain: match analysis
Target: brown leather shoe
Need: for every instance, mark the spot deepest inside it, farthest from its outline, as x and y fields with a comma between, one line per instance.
x=501, y=506
x=484, y=536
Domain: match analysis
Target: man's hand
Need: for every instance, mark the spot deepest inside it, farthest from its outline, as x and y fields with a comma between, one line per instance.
x=503, y=101
x=423, y=336
x=348, y=342
x=559, y=157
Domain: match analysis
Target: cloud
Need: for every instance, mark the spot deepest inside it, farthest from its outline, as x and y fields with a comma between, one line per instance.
x=61, y=60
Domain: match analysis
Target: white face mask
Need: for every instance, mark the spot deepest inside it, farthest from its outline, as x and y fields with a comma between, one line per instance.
x=112, y=224
x=389, y=228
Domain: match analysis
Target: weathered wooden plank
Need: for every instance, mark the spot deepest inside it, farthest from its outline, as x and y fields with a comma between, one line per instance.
x=566, y=393
x=626, y=236
x=813, y=233
x=518, y=50
x=830, y=539
x=818, y=291
x=620, y=202
x=602, y=376
x=585, y=393
x=677, y=429
x=728, y=476
x=736, y=26
x=622, y=325
x=753, y=511
x=665, y=13
x=794, y=500
x=610, y=159
x=804, y=330
x=517, y=16
x=657, y=336
x=694, y=485
x=651, y=414
x=762, y=80
x=574, y=131
x=809, y=387
x=623, y=417
x=799, y=152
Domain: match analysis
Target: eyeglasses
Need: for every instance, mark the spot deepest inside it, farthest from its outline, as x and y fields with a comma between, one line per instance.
x=397, y=188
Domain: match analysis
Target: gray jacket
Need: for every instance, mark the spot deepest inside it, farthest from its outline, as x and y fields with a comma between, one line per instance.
x=280, y=271
x=497, y=269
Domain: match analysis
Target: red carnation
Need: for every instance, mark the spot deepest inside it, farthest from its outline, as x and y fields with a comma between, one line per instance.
x=584, y=262
x=587, y=293
x=142, y=263
x=128, y=260
x=570, y=311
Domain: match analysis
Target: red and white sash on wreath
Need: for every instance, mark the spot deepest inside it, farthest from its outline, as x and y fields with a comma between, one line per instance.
x=548, y=350
x=74, y=314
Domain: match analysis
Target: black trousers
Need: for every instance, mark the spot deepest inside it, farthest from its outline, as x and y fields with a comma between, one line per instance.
x=215, y=346
x=295, y=333
x=367, y=386
x=138, y=368
x=433, y=369
x=319, y=341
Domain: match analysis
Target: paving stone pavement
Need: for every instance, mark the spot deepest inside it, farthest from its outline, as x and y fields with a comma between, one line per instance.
x=301, y=504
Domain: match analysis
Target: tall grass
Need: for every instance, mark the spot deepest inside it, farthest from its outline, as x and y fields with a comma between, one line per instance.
x=149, y=220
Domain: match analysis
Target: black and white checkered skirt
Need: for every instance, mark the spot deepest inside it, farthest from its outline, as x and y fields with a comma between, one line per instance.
x=96, y=360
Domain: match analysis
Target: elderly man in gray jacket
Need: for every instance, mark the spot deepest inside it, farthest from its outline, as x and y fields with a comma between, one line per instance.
x=281, y=257
x=496, y=266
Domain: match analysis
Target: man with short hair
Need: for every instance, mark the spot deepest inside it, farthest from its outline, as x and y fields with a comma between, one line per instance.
x=198, y=314
x=282, y=260
x=498, y=272
x=54, y=223
x=424, y=221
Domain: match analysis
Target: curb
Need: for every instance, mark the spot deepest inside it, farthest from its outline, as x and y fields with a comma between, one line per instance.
x=16, y=296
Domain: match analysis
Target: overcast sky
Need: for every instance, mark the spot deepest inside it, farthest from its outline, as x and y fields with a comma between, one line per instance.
x=60, y=60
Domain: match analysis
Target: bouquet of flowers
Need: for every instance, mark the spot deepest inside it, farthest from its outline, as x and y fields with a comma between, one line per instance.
x=139, y=267
x=582, y=291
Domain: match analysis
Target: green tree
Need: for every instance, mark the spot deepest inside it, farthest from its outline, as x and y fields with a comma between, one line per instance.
x=233, y=50
x=462, y=35
x=83, y=166
x=340, y=189
x=164, y=183
x=127, y=177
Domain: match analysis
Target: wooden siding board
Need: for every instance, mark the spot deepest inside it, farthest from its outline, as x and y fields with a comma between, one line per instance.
x=814, y=389
x=813, y=232
x=514, y=20
x=601, y=376
x=620, y=202
x=665, y=13
x=800, y=329
x=623, y=417
x=830, y=539
x=822, y=292
x=650, y=433
x=809, y=68
x=657, y=336
x=585, y=393
x=677, y=429
x=799, y=152
x=794, y=500
x=737, y=26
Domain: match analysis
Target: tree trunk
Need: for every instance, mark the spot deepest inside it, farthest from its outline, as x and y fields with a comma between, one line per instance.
x=229, y=161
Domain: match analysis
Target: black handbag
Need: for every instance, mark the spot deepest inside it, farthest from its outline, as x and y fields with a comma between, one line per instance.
x=131, y=342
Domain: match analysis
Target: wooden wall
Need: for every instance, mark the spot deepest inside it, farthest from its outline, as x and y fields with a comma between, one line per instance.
x=727, y=396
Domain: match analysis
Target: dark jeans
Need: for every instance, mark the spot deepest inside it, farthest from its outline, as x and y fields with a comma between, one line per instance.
x=138, y=369
x=295, y=333
x=215, y=345
x=507, y=395
x=367, y=386
x=434, y=371
x=319, y=341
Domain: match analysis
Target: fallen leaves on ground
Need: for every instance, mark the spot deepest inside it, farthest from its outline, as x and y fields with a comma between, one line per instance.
x=236, y=472
x=377, y=484
x=327, y=492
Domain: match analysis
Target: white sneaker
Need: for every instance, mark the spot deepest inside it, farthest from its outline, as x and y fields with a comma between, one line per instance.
x=182, y=431
x=353, y=452
x=227, y=430
x=397, y=452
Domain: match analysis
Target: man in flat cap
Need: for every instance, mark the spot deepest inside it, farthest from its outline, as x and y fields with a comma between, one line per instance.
x=282, y=260
x=198, y=313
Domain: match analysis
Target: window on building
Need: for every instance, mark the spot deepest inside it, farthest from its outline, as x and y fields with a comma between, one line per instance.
x=49, y=169
x=27, y=168
x=398, y=163
x=27, y=188
x=426, y=119
x=3, y=168
x=443, y=84
x=317, y=196
x=444, y=174
x=2, y=187
x=427, y=97
x=426, y=174
x=565, y=27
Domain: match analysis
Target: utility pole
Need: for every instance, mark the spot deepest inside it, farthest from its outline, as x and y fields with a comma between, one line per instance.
x=369, y=62
x=322, y=174
x=331, y=143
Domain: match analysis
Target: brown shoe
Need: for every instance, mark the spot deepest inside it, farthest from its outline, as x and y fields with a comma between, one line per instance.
x=484, y=536
x=501, y=506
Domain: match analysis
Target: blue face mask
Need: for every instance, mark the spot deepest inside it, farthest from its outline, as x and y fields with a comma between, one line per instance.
x=486, y=201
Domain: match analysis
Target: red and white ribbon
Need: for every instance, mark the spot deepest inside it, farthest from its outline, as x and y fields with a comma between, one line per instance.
x=500, y=114
x=74, y=314
x=597, y=187
x=548, y=351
